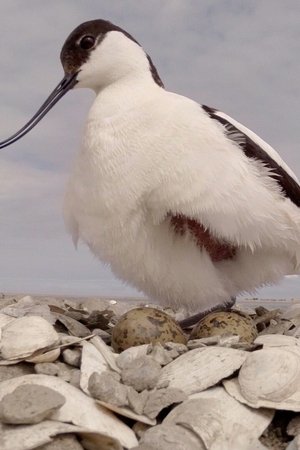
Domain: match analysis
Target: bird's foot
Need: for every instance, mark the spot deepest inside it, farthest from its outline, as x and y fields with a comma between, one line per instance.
x=192, y=320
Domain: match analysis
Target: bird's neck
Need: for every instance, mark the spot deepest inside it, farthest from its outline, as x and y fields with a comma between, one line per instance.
x=124, y=95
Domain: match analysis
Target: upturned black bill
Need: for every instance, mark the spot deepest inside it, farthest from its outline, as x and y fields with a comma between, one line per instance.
x=67, y=83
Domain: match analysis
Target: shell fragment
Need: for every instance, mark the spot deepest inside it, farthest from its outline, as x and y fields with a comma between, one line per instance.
x=79, y=409
x=269, y=378
x=24, y=336
x=202, y=368
x=215, y=417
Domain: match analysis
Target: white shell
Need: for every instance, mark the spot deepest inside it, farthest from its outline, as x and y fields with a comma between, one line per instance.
x=221, y=422
x=127, y=412
x=294, y=332
x=91, y=361
x=202, y=368
x=65, y=340
x=30, y=308
x=294, y=444
x=6, y=362
x=50, y=356
x=106, y=352
x=20, y=308
x=5, y=319
x=32, y=436
x=271, y=374
x=23, y=336
x=276, y=340
x=269, y=378
x=239, y=441
x=170, y=437
x=78, y=409
x=291, y=312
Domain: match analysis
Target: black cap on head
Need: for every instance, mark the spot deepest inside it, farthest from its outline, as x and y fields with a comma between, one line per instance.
x=83, y=40
x=74, y=54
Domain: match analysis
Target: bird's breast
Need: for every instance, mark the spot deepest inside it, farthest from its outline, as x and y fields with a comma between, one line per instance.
x=104, y=196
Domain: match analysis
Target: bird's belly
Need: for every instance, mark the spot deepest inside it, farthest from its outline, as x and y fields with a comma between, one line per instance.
x=153, y=258
x=171, y=267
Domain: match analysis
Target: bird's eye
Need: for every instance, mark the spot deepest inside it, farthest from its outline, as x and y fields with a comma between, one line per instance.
x=87, y=42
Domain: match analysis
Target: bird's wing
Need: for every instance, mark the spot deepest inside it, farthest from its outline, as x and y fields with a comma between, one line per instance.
x=234, y=185
x=254, y=147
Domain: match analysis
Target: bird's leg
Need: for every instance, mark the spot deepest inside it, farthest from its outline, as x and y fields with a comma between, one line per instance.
x=190, y=321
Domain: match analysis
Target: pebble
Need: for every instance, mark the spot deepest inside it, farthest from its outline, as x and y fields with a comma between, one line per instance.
x=8, y=372
x=142, y=373
x=72, y=356
x=106, y=388
x=175, y=349
x=29, y=404
x=64, y=371
x=160, y=399
x=58, y=369
x=293, y=428
x=127, y=356
x=159, y=354
x=103, y=334
x=75, y=378
x=136, y=400
x=46, y=369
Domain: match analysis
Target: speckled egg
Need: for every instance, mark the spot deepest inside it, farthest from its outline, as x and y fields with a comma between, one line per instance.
x=143, y=326
x=226, y=322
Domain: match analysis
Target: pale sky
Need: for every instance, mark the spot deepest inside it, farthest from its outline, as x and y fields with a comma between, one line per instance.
x=236, y=55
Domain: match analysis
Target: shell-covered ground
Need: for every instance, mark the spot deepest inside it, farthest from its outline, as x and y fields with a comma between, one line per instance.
x=79, y=374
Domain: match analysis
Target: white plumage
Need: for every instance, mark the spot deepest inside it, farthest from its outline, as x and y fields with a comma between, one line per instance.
x=148, y=153
x=183, y=202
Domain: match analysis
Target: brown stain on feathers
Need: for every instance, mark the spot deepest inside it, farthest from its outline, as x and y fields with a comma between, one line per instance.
x=217, y=250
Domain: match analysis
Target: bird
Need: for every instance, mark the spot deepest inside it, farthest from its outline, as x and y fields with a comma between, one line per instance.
x=182, y=201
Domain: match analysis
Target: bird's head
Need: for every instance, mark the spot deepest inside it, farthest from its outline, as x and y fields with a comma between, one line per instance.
x=99, y=53
x=96, y=54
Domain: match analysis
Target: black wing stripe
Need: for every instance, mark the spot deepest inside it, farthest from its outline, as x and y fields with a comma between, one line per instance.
x=289, y=186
